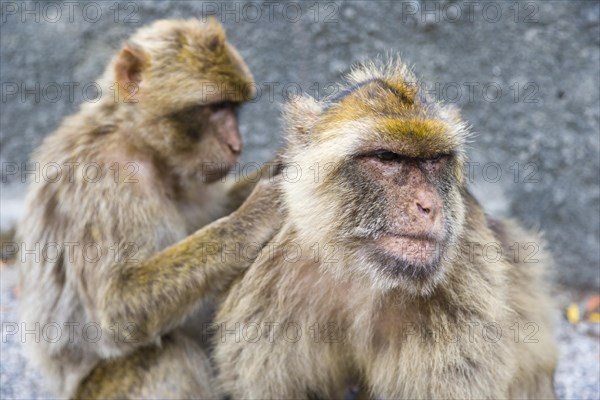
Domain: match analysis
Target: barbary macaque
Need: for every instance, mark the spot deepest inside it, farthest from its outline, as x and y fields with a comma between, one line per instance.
x=378, y=274
x=125, y=277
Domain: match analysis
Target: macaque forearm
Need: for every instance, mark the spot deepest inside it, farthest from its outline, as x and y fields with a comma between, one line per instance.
x=157, y=294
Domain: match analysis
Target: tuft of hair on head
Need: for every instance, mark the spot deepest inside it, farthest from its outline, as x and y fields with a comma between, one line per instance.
x=384, y=95
x=391, y=70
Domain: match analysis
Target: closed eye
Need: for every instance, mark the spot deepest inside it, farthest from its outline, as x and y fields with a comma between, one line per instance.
x=388, y=156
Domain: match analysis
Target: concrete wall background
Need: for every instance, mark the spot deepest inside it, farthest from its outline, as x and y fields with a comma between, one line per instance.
x=543, y=57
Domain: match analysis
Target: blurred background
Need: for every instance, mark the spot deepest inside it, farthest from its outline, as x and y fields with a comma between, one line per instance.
x=526, y=75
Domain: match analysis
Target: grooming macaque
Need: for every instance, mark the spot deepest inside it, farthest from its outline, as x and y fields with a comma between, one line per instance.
x=101, y=272
x=378, y=274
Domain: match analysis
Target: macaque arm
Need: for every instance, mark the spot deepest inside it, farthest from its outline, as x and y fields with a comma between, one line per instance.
x=153, y=296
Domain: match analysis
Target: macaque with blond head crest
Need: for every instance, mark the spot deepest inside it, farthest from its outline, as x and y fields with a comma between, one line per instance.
x=158, y=152
x=388, y=284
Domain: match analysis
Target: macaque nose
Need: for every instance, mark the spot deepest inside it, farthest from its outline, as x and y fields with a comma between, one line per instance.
x=423, y=210
x=426, y=205
x=232, y=139
x=235, y=146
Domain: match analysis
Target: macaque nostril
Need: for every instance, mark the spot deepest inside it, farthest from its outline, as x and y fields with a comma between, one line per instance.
x=235, y=148
x=423, y=210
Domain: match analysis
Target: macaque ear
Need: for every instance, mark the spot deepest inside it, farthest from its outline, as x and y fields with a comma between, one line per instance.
x=300, y=114
x=129, y=70
x=214, y=37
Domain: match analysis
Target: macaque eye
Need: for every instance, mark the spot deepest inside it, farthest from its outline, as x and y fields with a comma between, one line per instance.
x=387, y=156
x=223, y=105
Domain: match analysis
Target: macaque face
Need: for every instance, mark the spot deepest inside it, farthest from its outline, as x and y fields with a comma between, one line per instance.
x=209, y=137
x=188, y=85
x=403, y=217
x=399, y=206
x=390, y=197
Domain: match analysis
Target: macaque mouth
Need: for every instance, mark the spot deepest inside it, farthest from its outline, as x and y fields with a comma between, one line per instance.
x=415, y=249
x=413, y=257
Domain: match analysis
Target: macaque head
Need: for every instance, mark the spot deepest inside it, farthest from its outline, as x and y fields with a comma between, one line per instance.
x=183, y=77
x=380, y=178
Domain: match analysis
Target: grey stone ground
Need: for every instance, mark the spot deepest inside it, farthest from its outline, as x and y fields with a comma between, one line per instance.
x=577, y=376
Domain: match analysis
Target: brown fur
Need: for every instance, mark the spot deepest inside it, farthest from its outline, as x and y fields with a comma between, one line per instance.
x=160, y=133
x=403, y=330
